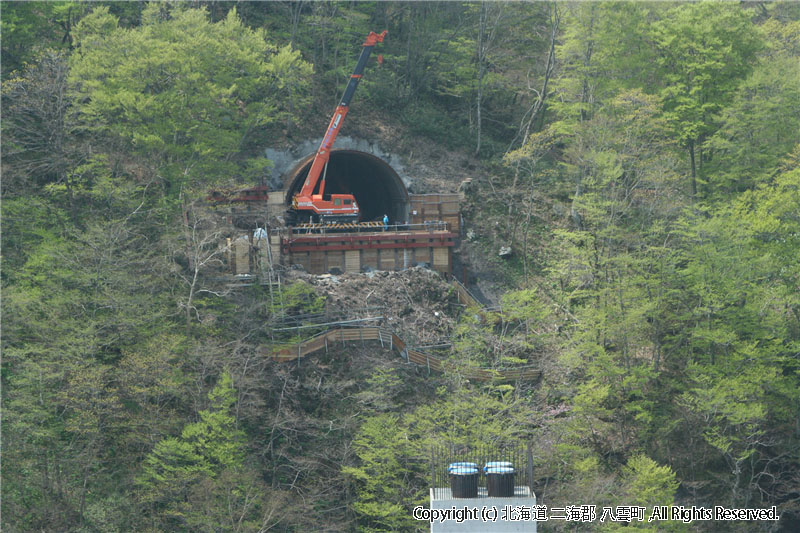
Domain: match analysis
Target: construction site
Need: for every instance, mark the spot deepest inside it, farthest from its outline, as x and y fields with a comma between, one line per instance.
x=389, y=284
x=339, y=210
x=400, y=266
x=343, y=221
x=424, y=234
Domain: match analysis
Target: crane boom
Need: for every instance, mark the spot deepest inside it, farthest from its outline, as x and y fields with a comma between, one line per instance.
x=339, y=206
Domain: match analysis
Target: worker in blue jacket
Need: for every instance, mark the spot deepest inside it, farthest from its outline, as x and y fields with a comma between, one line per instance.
x=385, y=222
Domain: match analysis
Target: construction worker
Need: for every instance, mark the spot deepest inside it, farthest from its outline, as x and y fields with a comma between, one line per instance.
x=385, y=222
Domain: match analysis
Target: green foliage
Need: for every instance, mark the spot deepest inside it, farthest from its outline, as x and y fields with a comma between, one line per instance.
x=393, y=450
x=758, y=129
x=204, y=450
x=29, y=28
x=770, y=212
x=649, y=483
x=382, y=477
x=599, y=60
x=524, y=305
x=298, y=298
x=429, y=121
x=181, y=90
x=705, y=50
x=382, y=385
x=77, y=303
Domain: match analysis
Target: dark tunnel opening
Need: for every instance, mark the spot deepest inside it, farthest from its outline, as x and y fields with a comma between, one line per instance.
x=376, y=186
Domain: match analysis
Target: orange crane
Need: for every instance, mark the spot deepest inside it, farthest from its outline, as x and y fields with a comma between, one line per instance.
x=312, y=203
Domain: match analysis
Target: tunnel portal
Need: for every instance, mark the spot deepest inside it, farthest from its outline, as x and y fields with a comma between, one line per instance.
x=376, y=186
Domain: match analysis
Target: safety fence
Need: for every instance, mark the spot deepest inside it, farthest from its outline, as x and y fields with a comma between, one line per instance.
x=329, y=338
x=465, y=297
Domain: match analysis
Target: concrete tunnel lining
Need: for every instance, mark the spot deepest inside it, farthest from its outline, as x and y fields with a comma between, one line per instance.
x=378, y=189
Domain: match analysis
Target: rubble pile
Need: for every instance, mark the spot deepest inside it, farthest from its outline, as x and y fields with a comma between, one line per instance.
x=417, y=304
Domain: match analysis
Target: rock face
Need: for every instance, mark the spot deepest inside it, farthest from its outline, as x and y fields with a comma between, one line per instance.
x=505, y=252
x=285, y=160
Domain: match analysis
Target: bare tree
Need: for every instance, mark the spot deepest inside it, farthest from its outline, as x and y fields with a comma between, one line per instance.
x=39, y=142
x=203, y=253
x=532, y=114
x=490, y=16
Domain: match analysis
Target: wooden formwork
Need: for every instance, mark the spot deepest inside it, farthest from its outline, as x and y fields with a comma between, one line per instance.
x=352, y=261
x=352, y=252
x=386, y=259
x=444, y=207
x=241, y=255
x=276, y=206
x=368, y=257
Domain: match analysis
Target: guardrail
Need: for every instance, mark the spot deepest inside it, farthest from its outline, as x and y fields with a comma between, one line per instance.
x=325, y=340
x=356, y=227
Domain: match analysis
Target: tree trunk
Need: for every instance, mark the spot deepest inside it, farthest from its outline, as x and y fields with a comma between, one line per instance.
x=296, y=8
x=694, y=175
x=478, y=110
x=534, y=111
x=587, y=59
x=486, y=37
x=186, y=233
x=189, y=302
x=481, y=72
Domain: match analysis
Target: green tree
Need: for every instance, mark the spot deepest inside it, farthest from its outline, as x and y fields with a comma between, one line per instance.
x=759, y=126
x=204, y=449
x=647, y=484
x=77, y=302
x=741, y=369
x=30, y=28
x=597, y=60
x=705, y=50
x=182, y=92
x=382, y=478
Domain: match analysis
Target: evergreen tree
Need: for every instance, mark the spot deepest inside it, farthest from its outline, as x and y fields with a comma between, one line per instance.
x=203, y=451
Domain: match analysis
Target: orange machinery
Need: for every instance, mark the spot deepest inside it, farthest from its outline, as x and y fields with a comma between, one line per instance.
x=311, y=203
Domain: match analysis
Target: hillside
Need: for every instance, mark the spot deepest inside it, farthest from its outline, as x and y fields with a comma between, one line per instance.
x=637, y=163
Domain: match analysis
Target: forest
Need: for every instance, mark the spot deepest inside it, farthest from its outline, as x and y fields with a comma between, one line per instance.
x=641, y=160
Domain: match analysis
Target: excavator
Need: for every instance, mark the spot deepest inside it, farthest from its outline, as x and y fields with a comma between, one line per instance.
x=312, y=203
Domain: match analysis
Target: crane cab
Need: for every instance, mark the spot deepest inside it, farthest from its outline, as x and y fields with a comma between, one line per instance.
x=337, y=208
x=334, y=208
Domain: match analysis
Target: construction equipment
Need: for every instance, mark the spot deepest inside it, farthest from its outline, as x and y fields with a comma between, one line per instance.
x=312, y=204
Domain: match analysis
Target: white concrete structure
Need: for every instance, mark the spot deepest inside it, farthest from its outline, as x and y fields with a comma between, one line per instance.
x=492, y=515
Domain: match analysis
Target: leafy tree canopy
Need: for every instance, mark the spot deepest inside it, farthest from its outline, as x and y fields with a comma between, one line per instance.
x=184, y=92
